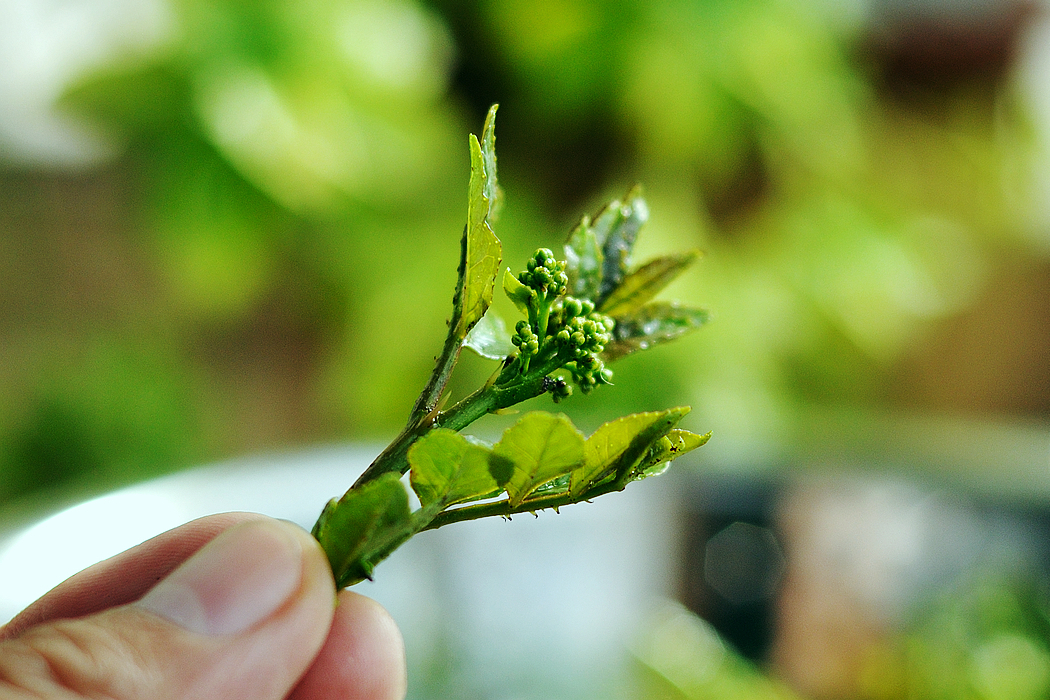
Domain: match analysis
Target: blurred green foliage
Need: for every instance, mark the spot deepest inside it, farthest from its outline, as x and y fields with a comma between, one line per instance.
x=986, y=637
x=226, y=284
x=681, y=657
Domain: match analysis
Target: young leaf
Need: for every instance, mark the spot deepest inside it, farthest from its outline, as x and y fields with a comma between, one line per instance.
x=618, y=243
x=639, y=287
x=668, y=448
x=583, y=257
x=605, y=446
x=481, y=253
x=609, y=217
x=539, y=447
x=489, y=337
x=651, y=325
x=516, y=291
x=479, y=260
x=617, y=446
x=350, y=528
x=493, y=192
x=448, y=469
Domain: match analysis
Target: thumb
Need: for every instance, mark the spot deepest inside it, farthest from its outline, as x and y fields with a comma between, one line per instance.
x=244, y=617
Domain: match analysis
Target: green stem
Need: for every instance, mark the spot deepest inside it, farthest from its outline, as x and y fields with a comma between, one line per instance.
x=504, y=508
x=543, y=318
x=431, y=395
x=395, y=456
x=488, y=399
x=496, y=397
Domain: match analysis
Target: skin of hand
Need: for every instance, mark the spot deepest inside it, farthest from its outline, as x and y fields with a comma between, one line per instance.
x=228, y=606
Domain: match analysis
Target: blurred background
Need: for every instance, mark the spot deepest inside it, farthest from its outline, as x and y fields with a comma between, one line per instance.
x=231, y=227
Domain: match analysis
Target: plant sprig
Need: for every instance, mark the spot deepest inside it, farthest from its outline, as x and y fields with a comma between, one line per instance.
x=580, y=313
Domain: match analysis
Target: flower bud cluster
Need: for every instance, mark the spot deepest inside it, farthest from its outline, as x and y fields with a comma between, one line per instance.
x=588, y=372
x=525, y=339
x=584, y=335
x=545, y=274
x=559, y=327
x=570, y=307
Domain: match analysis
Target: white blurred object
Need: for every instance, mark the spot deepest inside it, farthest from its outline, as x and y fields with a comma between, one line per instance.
x=35, y=559
x=47, y=44
x=86, y=533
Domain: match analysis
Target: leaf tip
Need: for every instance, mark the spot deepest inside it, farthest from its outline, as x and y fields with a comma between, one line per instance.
x=680, y=410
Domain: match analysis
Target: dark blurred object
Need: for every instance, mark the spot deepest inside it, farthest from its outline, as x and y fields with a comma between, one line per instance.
x=934, y=42
x=732, y=562
x=872, y=584
x=897, y=558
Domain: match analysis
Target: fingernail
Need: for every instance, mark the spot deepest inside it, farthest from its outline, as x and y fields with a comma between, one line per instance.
x=233, y=583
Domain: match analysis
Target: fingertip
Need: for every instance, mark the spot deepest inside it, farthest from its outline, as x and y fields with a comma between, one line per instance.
x=363, y=657
x=380, y=647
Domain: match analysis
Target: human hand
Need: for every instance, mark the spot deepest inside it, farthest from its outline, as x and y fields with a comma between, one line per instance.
x=229, y=606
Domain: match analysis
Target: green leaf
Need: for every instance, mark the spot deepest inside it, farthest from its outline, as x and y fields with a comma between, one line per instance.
x=517, y=292
x=583, y=257
x=667, y=449
x=559, y=485
x=363, y=521
x=619, y=241
x=489, y=337
x=598, y=251
x=501, y=468
x=639, y=287
x=617, y=446
x=652, y=325
x=539, y=447
x=481, y=250
x=479, y=260
x=609, y=217
x=448, y=469
x=492, y=191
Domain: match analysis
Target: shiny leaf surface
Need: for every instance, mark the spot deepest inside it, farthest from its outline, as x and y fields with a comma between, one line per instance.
x=489, y=337
x=640, y=286
x=651, y=325
x=481, y=250
x=617, y=446
x=623, y=224
x=492, y=191
x=583, y=257
x=539, y=447
x=667, y=449
x=447, y=469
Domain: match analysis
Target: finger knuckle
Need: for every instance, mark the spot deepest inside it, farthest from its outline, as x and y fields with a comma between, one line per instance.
x=75, y=659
